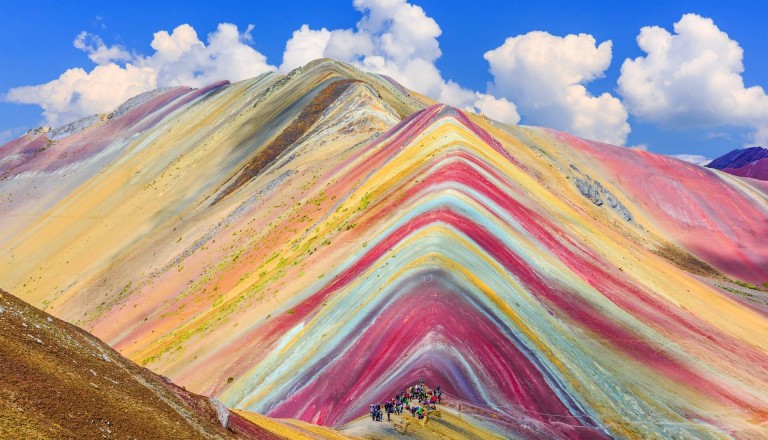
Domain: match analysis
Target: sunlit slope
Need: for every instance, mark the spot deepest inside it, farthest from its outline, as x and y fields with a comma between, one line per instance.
x=288, y=245
x=84, y=202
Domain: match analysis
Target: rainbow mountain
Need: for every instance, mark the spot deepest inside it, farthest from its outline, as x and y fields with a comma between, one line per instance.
x=302, y=245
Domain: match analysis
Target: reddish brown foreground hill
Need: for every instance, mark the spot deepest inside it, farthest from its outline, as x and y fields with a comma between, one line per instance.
x=58, y=381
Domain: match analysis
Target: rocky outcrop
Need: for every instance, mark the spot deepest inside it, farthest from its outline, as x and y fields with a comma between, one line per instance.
x=590, y=191
x=74, y=127
x=595, y=192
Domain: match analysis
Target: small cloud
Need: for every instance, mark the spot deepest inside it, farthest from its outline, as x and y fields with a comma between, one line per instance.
x=181, y=59
x=304, y=46
x=246, y=37
x=98, y=52
x=738, y=137
x=692, y=78
x=545, y=76
x=77, y=93
x=499, y=109
x=641, y=147
x=696, y=159
x=718, y=135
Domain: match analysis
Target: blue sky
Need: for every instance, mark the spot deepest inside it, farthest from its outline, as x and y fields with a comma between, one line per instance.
x=454, y=37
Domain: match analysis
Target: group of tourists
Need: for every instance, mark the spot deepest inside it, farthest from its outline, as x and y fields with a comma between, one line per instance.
x=417, y=400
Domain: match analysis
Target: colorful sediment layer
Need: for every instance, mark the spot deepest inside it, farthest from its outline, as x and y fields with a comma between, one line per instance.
x=301, y=246
x=755, y=170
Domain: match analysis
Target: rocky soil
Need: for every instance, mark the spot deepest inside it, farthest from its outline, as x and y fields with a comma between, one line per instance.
x=60, y=382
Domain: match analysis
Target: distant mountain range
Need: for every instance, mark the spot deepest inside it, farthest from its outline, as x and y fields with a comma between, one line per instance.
x=303, y=245
x=749, y=162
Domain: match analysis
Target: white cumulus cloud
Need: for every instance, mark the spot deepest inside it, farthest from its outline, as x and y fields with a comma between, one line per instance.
x=398, y=39
x=545, y=75
x=97, y=51
x=696, y=159
x=304, y=46
x=179, y=58
x=77, y=93
x=692, y=78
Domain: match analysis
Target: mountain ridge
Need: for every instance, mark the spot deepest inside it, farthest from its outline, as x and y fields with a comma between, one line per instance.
x=748, y=162
x=389, y=213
